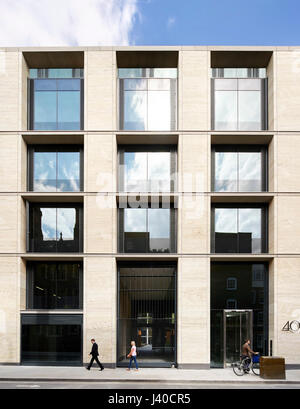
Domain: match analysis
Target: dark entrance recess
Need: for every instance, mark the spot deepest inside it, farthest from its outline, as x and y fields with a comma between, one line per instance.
x=147, y=313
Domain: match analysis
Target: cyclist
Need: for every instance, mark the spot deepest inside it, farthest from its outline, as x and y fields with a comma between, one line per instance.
x=247, y=354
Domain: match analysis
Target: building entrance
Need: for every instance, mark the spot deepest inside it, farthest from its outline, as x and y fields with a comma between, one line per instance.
x=238, y=327
x=147, y=313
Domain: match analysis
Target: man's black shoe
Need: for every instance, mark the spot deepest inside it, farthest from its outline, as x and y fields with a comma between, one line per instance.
x=87, y=368
x=102, y=369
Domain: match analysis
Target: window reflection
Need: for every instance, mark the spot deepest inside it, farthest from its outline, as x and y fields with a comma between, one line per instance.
x=148, y=230
x=55, y=170
x=238, y=230
x=56, y=104
x=147, y=171
x=55, y=229
x=239, y=169
x=239, y=104
x=147, y=102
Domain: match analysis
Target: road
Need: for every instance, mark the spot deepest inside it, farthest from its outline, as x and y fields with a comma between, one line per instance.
x=126, y=385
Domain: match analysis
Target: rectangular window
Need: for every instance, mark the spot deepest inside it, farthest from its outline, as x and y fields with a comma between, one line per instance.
x=239, y=229
x=51, y=339
x=55, y=168
x=52, y=285
x=239, y=103
x=146, y=169
x=55, y=100
x=146, y=230
x=55, y=229
x=148, y=99
x=239, y=168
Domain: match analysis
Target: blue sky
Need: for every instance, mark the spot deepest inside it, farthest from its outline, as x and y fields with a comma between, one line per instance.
x=149, y=22
x=218, y=22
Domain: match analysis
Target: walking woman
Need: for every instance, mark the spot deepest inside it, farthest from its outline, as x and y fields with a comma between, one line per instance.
x=132, y=355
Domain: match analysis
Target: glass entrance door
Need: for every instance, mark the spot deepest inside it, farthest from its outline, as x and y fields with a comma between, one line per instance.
x=238, y=326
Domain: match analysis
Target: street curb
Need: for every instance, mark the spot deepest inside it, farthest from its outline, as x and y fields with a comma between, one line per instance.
x=185, y=381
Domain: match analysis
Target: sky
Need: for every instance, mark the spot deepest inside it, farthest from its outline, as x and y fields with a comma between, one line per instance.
x=148, y=22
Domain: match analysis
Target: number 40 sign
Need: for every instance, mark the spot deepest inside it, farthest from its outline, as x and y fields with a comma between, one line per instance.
x=292, y=326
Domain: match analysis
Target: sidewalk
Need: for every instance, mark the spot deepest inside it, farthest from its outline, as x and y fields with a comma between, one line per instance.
x=161, y=375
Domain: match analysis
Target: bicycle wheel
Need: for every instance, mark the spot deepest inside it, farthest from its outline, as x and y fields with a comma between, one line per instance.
x=238, y=368
x=255, y=368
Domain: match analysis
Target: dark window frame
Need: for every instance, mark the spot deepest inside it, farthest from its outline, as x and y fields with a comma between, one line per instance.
x=29, y=229
x=53, y=148
x=30, y=104
x=30, y=270
x=264, y=224
x=122, y=149
x=263, y=149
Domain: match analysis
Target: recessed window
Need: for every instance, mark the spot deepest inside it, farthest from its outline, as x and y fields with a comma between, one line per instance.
x=54, y=285
x=231, y=283
x=54, y=228
x=146, y=169
x=239, y=100
x=239, y=168
x=55, y=168
x=53, y=339
x=239, y=229
x=55, y=100
x=148, y=99
x=231, y=304
x=146, y=230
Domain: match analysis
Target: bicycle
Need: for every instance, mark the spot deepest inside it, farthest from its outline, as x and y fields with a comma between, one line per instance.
x=244, y=366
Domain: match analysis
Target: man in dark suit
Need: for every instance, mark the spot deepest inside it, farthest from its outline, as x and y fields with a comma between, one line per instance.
x=94, y=352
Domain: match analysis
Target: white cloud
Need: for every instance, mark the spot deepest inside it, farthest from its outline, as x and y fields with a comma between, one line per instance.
x=171, y=21
x=67, y=22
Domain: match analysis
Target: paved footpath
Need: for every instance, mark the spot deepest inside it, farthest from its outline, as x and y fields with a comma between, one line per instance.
x=153, y=375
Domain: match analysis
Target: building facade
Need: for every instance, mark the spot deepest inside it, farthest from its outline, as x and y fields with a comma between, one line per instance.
x=149, y=193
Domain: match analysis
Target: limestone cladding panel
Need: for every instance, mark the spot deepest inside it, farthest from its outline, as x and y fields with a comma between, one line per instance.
x=9, y=310
x=193, y=166
x=288, y=308
x=100, y=90
x=8, y=224
x=288, y=90
x=193, y=311
x=100, y=306
x=194, y=224
x=99, y=226
x=9, y=91
x=288, y=227
x=193, y=90
x=99, y=163
x=8, y=162
x=288, y=171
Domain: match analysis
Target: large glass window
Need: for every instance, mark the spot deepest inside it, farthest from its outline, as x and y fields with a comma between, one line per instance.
x=51, y=339
x=143, y=169
x=52, y=285
x=239, y=229
x=55, y=168
x=56, y=100
x=239, y=102
x=239, y=168
x=147, y=312
x=55, y=229
x=248, y=294
x=148, y=99
x=147, y=230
